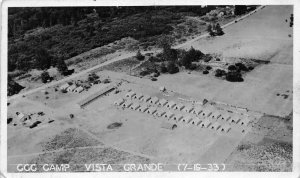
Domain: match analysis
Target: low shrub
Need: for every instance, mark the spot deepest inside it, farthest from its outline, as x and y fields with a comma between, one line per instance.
x=234, y=77
x=232, y=67
x=205, y=72
x=208, y=67
x=250, y=67
x=220, y=73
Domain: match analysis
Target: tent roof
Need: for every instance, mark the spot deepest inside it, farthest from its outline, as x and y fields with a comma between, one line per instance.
x=206, y=122
x=216, y=124
x=152, y=109
x=172, y=103
x=130, y=93
x=135, y=104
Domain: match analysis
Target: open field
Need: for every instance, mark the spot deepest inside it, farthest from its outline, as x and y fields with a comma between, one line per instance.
x=237, y=123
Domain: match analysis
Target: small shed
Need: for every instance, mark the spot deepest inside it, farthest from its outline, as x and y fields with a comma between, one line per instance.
x=154, y=100
x=177, y=117
x=244, y=121
x=119, y=102
x=130, y=94
x=21, y=116
x=143, y=108
x=215, y=126
x=171, y=104
x=127, y=104
x=162, y=88
x=169, y=115
x=197, y=110
x=215, y=115
x=146, y=98
x=160, y=112
x=235, y=118
x=64, y=86
x=206, y=123
x=206, y=112
x=138, y=96
x=79, y=89
x=71, y=88
x=167, y=125
x=187, y=119
x=162, y=102
x=151, y=110
x=135, y=106
x=225, y=128
x=225, y=116
x=188, y=109
x=179, y=106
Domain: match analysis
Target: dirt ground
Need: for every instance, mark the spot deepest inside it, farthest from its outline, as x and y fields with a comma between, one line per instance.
x=86, y=137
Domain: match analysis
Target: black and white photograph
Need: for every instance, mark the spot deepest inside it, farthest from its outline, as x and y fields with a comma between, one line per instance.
x=149, y=88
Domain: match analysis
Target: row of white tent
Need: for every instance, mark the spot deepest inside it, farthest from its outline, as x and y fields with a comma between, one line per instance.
x=206, y=123
x=71, y=88
x=197, y=110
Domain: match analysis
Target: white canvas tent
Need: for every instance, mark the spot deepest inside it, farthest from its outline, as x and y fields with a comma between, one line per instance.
x=138, y=96
x=127, y=104
x=130, y=94
x=195, y=121
x=134, y=106
x=146, y=98
x=206, y=123
x=235, y=118
x=197, y=110
x=206, y=112
x=154, y=100
x=179, y=106
x=119, y=102
x=245, y=121
x=79, y=89
x=215, y=126
x=187, y=119
x=225, y=116
x=215, y=115
x=225, y=128
x=188, y=109
x=171, y=104
x=162, y=102
x=143, y=108
x=169, y=115
x=177, y=117
x=160, y=112
x=151, y=110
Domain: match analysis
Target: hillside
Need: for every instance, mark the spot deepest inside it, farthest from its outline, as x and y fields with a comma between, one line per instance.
x=41, y=38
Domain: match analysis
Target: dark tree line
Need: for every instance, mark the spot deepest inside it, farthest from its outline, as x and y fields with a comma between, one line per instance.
x=41, y=37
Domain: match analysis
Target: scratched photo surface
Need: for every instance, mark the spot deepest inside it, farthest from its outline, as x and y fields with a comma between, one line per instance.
x=150, y=88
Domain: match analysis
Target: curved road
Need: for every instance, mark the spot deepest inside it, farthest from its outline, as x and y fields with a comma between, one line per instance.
x=121, y=58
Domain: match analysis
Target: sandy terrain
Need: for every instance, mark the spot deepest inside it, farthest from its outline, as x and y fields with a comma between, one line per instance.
x=141, y=139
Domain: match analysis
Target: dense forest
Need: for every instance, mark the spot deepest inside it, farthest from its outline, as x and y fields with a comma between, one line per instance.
x=39, y=37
